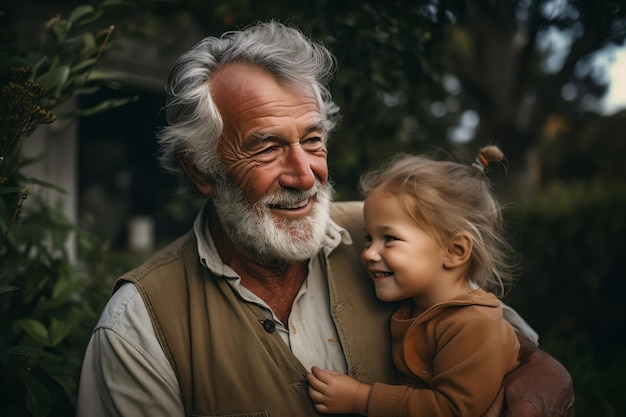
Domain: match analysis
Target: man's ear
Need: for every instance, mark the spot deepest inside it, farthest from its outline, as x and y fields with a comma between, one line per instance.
x=458, y=250
x=203, y=182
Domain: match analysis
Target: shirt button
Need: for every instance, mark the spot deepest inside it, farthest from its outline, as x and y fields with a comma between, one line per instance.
x=269, y=325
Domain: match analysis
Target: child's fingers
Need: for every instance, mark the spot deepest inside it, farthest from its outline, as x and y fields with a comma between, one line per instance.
x=324, y=375
x=314, y=382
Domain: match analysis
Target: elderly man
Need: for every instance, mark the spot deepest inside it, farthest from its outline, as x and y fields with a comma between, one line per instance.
x=228, y=319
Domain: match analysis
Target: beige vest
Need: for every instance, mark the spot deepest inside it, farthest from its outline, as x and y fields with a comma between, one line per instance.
x=227, y=364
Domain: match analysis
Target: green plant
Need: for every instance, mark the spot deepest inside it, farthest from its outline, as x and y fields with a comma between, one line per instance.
x=50, y=310
x=48, y=302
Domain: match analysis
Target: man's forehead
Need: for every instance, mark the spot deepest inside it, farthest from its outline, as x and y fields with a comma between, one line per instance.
x=237, y=76
x=240, y=81
x=251, y=98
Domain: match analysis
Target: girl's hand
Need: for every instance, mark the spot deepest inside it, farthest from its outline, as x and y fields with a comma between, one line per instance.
x=333, y=392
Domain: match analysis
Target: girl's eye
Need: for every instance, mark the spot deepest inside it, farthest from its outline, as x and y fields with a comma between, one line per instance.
x=389, y=238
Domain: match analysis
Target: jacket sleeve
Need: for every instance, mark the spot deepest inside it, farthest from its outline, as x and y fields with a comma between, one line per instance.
x=125, y=372
x=466, y=374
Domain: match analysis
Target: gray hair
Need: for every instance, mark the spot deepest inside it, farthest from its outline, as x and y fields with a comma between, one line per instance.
x=194, y=124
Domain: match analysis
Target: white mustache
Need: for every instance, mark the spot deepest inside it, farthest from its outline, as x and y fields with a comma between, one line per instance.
x=289, y=199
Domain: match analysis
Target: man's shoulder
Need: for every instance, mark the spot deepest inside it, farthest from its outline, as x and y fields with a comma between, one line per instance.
x=124, y=306
x=347, y=213
x=338, y=208
x=164, y=261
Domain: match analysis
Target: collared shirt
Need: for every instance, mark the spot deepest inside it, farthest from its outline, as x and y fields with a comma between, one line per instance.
x=124, y=355
x=311, y=333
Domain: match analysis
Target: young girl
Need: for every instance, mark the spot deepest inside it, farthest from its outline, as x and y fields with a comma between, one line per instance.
x=433, y=234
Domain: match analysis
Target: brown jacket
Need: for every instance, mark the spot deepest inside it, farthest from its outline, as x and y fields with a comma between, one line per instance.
x=452, y=359
x=225, y=362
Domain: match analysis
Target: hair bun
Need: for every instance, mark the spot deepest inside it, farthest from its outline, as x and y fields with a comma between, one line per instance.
x=486, y=155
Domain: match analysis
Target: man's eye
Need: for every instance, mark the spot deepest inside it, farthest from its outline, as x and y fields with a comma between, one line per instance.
x=267, y=150
x=313, y=142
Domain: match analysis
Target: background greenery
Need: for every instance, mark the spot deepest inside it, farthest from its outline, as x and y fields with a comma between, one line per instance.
x=409, y=73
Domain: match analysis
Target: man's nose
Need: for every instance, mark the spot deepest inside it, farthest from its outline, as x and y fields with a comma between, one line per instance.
x=298, y=173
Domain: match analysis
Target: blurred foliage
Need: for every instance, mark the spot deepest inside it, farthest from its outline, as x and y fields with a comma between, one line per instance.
x=48, y=303
x=598, y=387
x=48, y=307
x=413, y=74
x=572, y=285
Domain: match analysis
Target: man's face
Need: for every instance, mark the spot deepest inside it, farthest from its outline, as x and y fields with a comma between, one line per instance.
x=274, y=155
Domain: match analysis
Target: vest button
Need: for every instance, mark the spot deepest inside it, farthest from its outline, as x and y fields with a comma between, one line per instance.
x=269, y=325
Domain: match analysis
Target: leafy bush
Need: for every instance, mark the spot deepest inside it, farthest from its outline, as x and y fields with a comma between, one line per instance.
x=48, y=309
x=572, y=286
x=48, y=303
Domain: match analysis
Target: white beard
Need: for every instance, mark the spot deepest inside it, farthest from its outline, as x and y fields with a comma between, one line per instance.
x=275, y=240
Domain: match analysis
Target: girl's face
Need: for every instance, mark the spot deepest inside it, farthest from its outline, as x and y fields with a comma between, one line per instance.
x=403, y=260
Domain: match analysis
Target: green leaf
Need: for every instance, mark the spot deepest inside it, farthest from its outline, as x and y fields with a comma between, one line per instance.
x=99, y=75
x=106, y=105
x=94, y=88
x=89, y=44
x=25, y=351
x=47, y=185
x=110, y=3
x=8, y=288
x=68, y=384
x=38, y=398
x=55, y=79
x=80, y=12
x=92, y=17
x=36, y=330
x=40, y=62
x=58, y=331
x=61, y=28
x=65, y=287
x=83, y=66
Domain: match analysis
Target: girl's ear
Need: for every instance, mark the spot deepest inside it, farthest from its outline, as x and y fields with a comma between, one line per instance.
x=203, y=182
x=458, y=251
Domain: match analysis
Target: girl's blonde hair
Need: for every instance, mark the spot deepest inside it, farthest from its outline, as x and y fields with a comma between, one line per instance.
x=447, y=198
